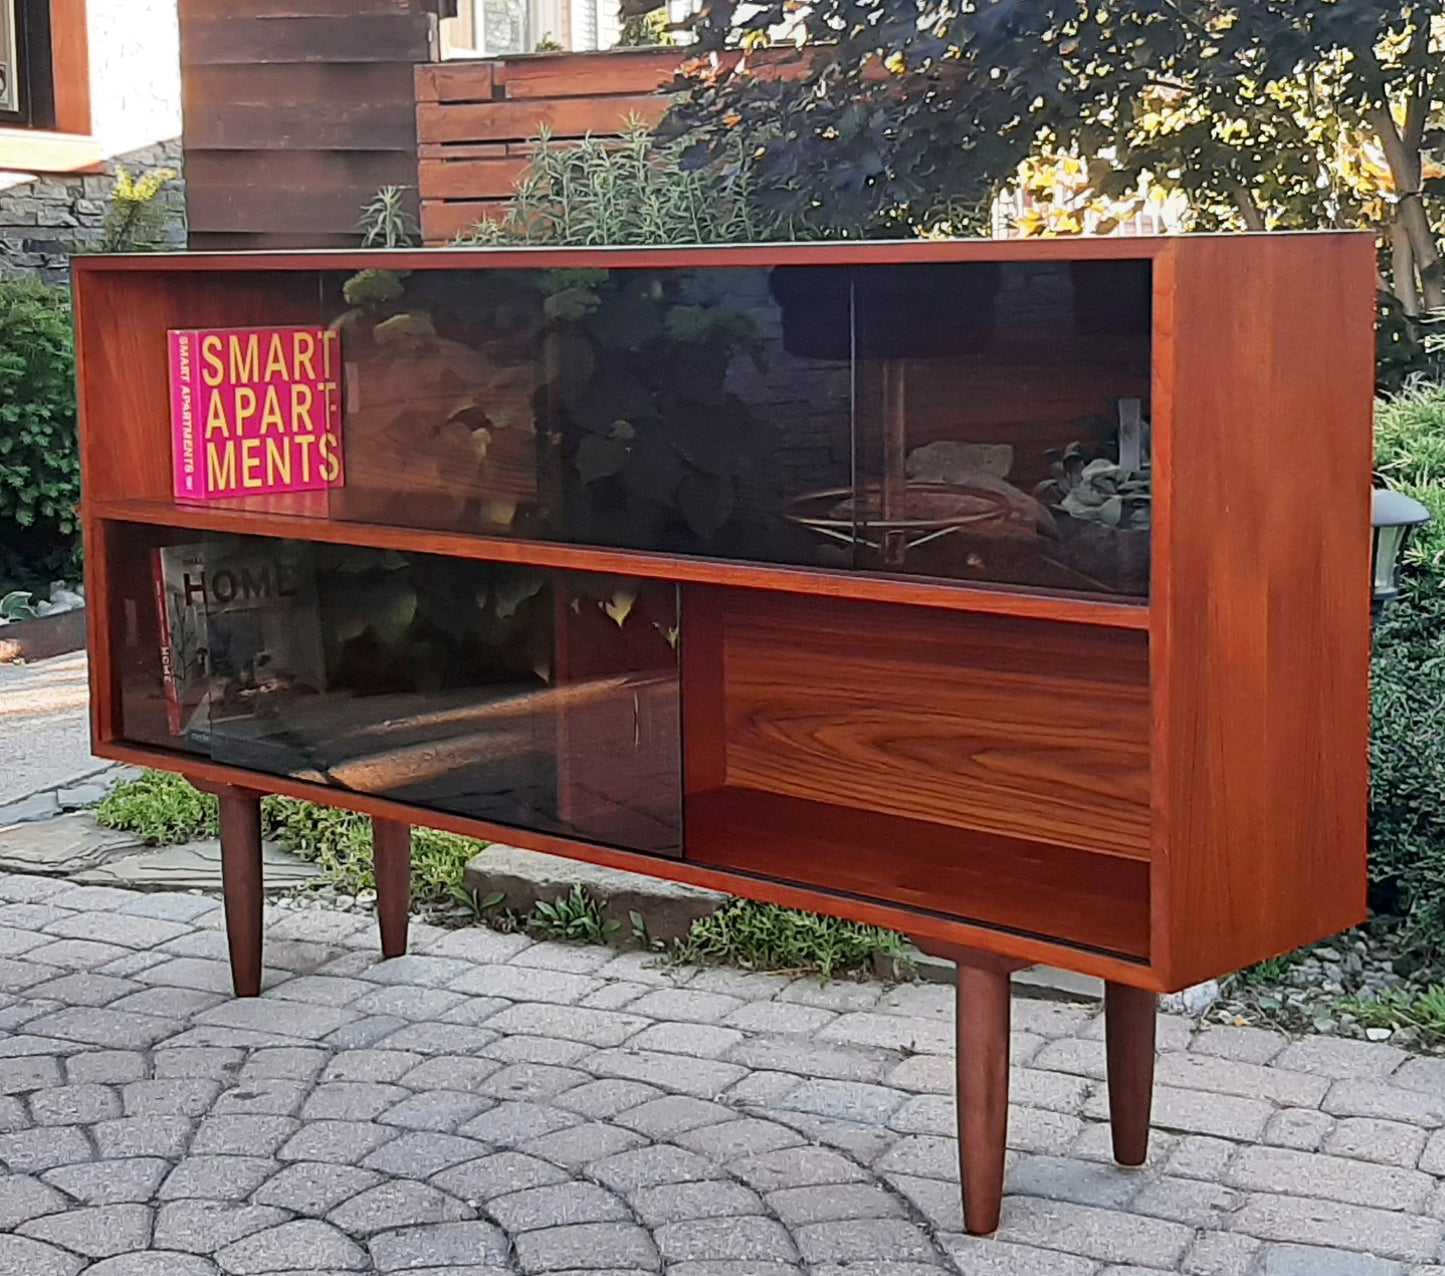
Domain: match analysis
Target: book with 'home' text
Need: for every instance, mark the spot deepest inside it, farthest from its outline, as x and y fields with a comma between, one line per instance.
x=255, y=411
x=238, y=624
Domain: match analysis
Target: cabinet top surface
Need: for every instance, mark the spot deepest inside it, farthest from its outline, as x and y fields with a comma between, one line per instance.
x=857, y=252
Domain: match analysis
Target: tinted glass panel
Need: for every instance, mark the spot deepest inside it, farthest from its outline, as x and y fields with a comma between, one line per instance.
x=544, y=700
x=981, y=422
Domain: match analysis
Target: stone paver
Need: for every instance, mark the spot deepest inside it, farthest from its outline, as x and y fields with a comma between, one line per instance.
x=492, y=1105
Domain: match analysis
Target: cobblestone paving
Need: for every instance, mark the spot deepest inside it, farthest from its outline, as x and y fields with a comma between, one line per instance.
x=491, y=1105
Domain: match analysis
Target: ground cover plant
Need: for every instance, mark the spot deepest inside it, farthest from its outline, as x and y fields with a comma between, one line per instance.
x=765, y=937
x=164, y=809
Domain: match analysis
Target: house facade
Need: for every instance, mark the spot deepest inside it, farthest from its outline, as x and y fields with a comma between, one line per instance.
x=85, y=85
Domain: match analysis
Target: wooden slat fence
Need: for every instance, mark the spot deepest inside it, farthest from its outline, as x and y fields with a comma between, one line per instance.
x=474, y=121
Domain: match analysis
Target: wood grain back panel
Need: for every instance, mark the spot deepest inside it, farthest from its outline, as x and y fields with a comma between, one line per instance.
x=1264, y=389
x=124, y=376
x=1009, y=727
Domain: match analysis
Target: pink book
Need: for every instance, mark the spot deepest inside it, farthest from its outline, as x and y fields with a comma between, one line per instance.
x=255, y=411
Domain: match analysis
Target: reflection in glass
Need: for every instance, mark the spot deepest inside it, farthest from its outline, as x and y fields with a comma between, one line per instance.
x=1001, y=428
x=543, y=700
x=973, y=421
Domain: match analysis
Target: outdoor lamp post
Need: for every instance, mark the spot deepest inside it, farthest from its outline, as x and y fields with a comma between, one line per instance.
x=1393, y=516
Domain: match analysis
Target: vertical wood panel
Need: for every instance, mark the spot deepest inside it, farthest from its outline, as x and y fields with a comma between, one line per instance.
x=1261, y=600
x=70, y=61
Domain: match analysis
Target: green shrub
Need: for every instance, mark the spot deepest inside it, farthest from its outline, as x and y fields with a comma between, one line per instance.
x=1407, y=736
x=39, y=457
x=1407, y=764
x=1410, y=453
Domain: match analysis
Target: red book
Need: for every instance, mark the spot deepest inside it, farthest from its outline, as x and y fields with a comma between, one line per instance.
x=255, y=411
x=168, y=655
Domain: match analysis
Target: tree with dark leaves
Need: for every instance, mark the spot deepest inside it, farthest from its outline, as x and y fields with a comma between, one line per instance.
x=901, y=116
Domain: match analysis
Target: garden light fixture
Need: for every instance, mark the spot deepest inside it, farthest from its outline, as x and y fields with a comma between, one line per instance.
x=1393, y=515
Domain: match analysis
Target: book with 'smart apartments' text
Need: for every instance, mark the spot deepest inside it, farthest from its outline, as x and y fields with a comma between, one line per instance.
x=255, y=411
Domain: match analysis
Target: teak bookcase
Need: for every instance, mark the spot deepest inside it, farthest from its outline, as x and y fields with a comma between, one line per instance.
x=1135, y=749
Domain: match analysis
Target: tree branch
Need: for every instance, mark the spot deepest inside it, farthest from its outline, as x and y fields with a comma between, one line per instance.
x=1417, y=108
x=1410, y=211
x=1248, y=208
x=1403, y=269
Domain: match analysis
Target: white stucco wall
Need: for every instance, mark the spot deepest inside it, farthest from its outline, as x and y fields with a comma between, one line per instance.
x=135, y=74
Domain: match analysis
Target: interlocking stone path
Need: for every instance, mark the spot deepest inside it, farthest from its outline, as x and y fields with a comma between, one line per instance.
x=490, y=1105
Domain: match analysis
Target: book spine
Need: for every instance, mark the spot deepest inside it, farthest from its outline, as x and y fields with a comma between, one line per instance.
x=190, y=475
x=168, y=652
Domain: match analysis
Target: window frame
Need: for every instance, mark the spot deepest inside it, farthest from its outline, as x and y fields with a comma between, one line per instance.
x=58, y=136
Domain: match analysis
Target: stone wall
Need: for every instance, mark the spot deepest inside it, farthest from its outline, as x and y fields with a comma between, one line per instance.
x=45, y=219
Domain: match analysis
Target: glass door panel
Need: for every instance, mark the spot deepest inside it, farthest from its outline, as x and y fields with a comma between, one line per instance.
x=1003, y=423
x=543, y=700
x=980, y=422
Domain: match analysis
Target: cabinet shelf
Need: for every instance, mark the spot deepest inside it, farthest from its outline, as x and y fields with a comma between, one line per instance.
x=1015, y=602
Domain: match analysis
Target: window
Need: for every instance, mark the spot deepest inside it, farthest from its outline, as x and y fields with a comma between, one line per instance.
x=498, y=28
x=45, y=124
x=27, y=86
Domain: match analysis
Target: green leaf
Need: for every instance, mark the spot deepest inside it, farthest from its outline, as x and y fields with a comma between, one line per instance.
x=653, y=469
x=706, y=503
x=571, y=304
x=600, y=457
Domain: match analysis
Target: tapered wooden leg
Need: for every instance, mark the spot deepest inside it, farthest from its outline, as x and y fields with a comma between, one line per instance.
x=391, y=854
x=983, y=1019
x=983, y=1051
x=241, y=885
x=1129, y=1016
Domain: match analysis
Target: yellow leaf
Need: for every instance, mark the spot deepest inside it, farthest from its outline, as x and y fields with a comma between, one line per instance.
x=499, y=513
x=619, y=606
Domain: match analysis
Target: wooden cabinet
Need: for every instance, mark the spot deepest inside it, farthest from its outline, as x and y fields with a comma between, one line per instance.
x=1011, y=594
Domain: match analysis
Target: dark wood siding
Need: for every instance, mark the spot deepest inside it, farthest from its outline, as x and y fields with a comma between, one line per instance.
x=296, y=113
